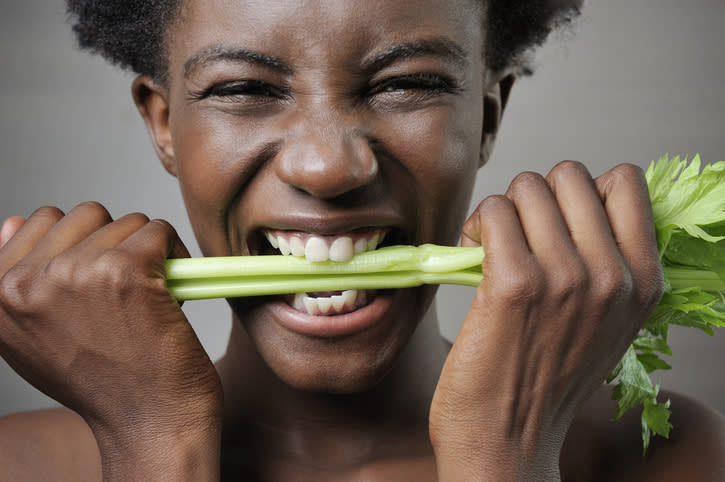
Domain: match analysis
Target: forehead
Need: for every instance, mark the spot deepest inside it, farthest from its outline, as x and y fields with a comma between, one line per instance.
x=336, y=31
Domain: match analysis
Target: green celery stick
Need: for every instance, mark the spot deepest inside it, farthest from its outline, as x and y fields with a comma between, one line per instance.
x=427, y=258
x=391, y=267
x=268, y=285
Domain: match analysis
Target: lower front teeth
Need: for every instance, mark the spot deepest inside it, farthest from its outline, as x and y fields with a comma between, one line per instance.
x=330, y=305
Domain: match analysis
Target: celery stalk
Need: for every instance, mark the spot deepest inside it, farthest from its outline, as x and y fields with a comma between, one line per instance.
x=391, y=267
x=267, y=285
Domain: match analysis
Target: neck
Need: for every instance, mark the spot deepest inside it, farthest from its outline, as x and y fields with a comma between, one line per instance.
x=322, y=429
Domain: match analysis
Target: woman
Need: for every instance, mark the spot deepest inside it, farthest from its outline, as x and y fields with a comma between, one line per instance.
x=287, y=123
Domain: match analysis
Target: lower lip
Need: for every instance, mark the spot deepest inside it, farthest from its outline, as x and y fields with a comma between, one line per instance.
x=334, y=325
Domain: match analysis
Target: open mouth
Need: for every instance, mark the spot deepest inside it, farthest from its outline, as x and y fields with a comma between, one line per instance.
x=318, y=248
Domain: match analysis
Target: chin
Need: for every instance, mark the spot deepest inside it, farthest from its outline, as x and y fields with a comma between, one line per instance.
x=352, y=356
x=340, y=375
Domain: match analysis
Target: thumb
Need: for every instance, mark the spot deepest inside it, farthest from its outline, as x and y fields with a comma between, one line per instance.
x=9, y=228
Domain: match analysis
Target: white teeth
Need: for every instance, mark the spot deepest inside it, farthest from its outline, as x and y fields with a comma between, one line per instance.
x=284, y=246
x=341, y=249
x=332, y=305
x=361, y=245
x=297, y=247
x=316, y=249
x=299, y=303
x=338, y=302
x=272, y=240
x=373, y=242
x=310, y=305
x=324, y=305
x=349, y=297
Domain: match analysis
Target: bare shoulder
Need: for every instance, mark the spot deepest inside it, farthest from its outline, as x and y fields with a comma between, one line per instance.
x=598, y=449
x=54, y=444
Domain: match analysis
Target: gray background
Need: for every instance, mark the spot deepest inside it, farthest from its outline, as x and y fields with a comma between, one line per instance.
x=637, y=79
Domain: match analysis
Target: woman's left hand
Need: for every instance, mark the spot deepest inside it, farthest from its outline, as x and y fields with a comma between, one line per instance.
x=571, y=274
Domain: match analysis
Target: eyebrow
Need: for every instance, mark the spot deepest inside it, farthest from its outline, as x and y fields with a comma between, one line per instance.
x=441, y=47
x=437, y=47
x=220, y=53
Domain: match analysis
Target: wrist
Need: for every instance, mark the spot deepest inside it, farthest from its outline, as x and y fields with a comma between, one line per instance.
x=495, y=464
x=482, y=455
x=190, y=452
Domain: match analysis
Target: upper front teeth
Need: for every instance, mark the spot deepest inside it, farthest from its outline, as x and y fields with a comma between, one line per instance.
x=315, y=250
x=322, y=248
x=340, y=250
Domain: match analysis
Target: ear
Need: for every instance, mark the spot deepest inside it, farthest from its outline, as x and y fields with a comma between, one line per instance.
x=152, y=102
x=494, y=102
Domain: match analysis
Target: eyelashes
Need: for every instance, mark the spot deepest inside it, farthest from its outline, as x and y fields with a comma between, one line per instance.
x=240, y=90
x=419, y=81
x=408, y=89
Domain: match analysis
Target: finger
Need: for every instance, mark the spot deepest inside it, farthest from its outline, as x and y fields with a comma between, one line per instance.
x=627, y=203
x=495, y=225
x=77, y=225
x=9, y=228
x=113, y=234
x=28, y=236
x=583, y=212
x=153, y=244
x=541, y=219
x=510, y=270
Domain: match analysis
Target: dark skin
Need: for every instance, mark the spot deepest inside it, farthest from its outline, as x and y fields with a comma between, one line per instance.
x=392, y=112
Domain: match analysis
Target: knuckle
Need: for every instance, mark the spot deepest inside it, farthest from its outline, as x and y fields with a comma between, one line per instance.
x=624, y=174
x=116, y=272
x=612, y=284
x=569, y=165
x=96, y=211
x=525, y=181
x=628, y=171
x=163, y=229
x=112, y=263
x=495, y=202
x=66, y=272
x=570, y=283
x=16, y=288
x=650, y=288
x=163, y=226
x=49, y=212
x=139, y=218
x=564, y=171
x=520, y=285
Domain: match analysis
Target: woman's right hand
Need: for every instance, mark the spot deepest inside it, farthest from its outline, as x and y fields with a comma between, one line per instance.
x=86, y=318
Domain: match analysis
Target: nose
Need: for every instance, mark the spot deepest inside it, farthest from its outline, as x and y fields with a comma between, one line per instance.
x=326, y=162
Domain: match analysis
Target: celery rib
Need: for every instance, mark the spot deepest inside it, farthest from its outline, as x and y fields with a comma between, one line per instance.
x=683, y=278
x=195, y=289
x=391, y=267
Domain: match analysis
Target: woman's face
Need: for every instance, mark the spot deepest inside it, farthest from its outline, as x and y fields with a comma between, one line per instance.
x=319, y=124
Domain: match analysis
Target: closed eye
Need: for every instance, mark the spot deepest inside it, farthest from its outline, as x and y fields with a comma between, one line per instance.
x=420, y=81
x=411, y=89
x=243, y=91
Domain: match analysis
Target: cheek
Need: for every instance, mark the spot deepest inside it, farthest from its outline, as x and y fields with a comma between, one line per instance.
x=441, y=152
x=210, y=172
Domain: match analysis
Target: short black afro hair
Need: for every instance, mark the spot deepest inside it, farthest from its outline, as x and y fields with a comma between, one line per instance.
x=131, y=33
